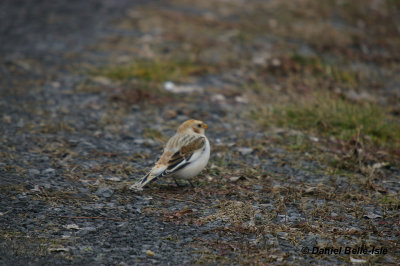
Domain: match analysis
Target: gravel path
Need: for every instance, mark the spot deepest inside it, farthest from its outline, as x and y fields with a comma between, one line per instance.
x=73, y=139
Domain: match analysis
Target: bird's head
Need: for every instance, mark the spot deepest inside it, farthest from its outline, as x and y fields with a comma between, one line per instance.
x=192, y=126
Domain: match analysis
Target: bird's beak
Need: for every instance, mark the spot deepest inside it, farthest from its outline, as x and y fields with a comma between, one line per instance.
x=205, y=126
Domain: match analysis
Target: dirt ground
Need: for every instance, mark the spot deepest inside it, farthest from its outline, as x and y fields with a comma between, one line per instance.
x=302, y=103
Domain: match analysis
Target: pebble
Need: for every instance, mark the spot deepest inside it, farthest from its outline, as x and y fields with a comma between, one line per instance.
x=244, y=150
x=104, y=192
x=49, y=171
x=258, y=216
x=33, y=172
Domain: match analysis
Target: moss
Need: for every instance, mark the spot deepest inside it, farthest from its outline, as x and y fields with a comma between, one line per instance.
x=207, y=257
x=322, y=69
x=332, y=116
x=390, y=200
x=236, y=212
x=26, y=245
x=154, y=134
x=152, y=70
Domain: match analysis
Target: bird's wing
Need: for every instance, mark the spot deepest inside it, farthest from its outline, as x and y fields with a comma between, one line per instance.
x=190, y=149
x=180, y=152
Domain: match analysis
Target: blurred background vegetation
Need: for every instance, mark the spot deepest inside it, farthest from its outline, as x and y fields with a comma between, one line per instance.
x=326, y=68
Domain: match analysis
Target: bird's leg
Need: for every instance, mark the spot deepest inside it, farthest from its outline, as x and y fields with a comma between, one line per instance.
x=190, y=182
x=176, y=182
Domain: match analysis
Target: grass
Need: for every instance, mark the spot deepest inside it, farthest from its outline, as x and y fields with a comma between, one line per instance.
x=322, y=69
x=337, y=117
x=153, y=70
x=154, y=134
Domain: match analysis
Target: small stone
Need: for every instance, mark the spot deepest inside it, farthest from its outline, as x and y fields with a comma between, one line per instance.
x=55, y=84
x=66, y=236
x=259, y=216
x=33, y=172
x=171, y=114
x=245, y=150
x=102, y=80
x=36, y=188
x=135, y=187
x=72, y=226
x=273, y=23
x=276, y=62
x=114, y=178
x=20, y=123
x=218, y=98
x=310, y=190
x=379, y=165
x=283, y=235
x=84, y=190
x=22, y=196
x=190, y=88
x=358, y=96
x=6, y=119
x=89, y=228
x=49, y=171
x=353, y=260
x=372, y=216
x=235, y=178
x=104, y=192
x=257, y=187
x=261, y=59
x=169, y=85
x=241, y=99
x=58, y=249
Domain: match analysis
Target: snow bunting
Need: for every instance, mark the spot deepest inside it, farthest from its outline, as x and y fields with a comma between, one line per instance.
x=184, y=156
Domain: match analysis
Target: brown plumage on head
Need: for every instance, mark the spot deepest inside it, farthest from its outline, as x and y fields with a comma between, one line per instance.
x=192, y=126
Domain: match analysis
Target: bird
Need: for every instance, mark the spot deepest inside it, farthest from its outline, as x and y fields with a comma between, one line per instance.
x=185, y=155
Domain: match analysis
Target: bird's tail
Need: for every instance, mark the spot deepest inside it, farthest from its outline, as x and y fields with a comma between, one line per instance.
x=144, y=181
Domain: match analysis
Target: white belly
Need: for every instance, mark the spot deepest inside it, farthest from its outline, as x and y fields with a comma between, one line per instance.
x=195, y=167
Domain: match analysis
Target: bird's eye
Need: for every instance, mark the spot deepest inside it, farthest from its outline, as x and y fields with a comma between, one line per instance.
x=198, y=125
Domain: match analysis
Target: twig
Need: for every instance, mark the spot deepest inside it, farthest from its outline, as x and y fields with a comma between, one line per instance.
x=88, y=217
x=181, y=200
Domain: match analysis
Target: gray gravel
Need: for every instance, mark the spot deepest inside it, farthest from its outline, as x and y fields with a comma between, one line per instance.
x=67, y=157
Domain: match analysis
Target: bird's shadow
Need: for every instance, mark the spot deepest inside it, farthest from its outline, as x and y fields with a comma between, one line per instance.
x=173, y=186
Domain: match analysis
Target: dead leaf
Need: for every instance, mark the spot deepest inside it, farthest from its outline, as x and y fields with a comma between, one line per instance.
x=183, y=212
x=150, y=253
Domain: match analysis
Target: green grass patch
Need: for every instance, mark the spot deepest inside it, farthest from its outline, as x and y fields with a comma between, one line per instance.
x=390, y=200
x=153, y=70
x=320, y=68
x=334, y=116
x=154, y=134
